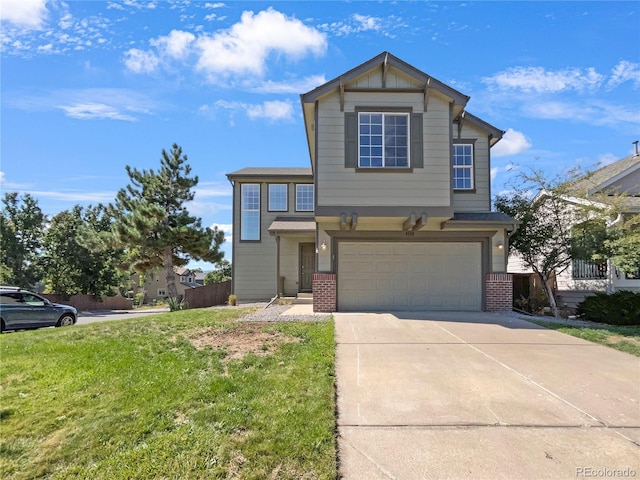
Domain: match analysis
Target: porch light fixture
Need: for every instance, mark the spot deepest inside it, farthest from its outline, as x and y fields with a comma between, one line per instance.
x=323, y=245
x=500, y=246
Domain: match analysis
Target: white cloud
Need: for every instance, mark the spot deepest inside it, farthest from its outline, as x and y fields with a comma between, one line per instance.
x=366, y=22
x=512, y=143
x=275, y=110
x=272, y=110
x=86, y=104
x=362, y=23
x=214, y=5
x=75, y=196
x=298, y=85
x=95, y=111
x=540, y=80
x=625, y=71
x=29, y=14
x=212, y=189
x=139, y=61
x=175, y=45
x=593, y=112
x=245, y=47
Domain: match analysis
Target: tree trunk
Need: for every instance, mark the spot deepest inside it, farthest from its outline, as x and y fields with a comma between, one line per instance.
x=167, y=263
x=549, y=293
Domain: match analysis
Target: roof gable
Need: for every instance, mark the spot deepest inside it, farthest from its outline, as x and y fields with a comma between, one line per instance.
x=607, y=176
x=384, y=62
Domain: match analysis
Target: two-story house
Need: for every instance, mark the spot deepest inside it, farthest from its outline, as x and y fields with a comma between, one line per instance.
x=394, y=212
x=615, y=184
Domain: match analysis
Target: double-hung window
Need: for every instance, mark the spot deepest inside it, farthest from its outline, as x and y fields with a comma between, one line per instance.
x=463, y=166
x=383, y=140
x=304, y=198
x=277, y=197
x=250, y=211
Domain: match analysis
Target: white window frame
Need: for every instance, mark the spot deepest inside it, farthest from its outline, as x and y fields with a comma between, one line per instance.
x=298, y=197
x=468, y=168
x=250, y=209
x=162, y=292
x=383, y=135
x=286, y=197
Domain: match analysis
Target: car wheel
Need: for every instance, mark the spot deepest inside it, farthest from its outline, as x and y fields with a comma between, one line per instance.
x=65, y=321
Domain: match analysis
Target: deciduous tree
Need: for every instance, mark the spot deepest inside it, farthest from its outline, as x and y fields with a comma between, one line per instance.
x=21, y=234
x=221, y=274
x=81, y=256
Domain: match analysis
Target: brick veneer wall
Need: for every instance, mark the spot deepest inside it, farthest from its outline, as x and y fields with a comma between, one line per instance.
x=499, y=289
x=324, y=292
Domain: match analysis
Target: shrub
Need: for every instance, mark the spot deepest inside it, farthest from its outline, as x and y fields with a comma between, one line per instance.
x=232, y=299
x=175, y=304
x=619, y=308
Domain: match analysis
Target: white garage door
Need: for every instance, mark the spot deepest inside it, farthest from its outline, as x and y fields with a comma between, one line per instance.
x=409, y=276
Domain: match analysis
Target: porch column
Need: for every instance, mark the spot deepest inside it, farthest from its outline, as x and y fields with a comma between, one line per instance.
x=499, y=289
x=324, y=292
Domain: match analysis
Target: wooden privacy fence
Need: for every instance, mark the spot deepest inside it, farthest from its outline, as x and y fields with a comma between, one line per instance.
x=208, y=295
x=88, y=303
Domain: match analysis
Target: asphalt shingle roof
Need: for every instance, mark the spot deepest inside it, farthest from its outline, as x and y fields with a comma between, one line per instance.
x=272, y=171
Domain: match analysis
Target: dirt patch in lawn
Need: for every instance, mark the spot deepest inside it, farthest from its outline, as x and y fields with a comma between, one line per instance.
x=237, y=342
x=619, y=338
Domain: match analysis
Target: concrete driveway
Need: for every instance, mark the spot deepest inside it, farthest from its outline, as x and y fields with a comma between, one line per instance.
x=481, y=396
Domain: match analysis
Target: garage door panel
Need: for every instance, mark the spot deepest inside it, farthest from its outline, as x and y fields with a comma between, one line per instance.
x=409, y=276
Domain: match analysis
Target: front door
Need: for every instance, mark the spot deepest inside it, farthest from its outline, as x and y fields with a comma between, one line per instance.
x=307, y=266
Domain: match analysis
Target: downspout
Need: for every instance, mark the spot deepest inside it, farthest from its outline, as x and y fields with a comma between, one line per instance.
x=278, y=292
x=233, y=236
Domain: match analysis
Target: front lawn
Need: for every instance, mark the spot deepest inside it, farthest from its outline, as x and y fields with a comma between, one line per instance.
x=189, y=394
x=623, y=338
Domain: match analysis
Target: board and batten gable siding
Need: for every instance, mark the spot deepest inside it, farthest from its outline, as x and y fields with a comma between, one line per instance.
x=478, y=199
x=254, y=263
x=338, y=185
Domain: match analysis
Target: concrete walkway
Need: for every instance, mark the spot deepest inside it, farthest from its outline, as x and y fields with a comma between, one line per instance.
x=481, y=396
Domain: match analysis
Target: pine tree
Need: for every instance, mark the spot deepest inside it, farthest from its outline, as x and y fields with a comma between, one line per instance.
x=153, y=223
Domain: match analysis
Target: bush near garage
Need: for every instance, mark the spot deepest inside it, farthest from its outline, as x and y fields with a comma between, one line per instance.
x=619, y=308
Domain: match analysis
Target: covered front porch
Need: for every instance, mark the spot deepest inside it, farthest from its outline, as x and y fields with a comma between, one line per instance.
x=295, y=255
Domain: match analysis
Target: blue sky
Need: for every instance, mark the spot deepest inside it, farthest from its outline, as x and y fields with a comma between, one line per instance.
x=89, y=87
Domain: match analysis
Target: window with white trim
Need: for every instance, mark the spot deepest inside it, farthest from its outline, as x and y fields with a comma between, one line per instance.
x=250, y=211
x=277, y=197
x=304, y=198
x=162, y=292
x=383, y=140
x=463, y=166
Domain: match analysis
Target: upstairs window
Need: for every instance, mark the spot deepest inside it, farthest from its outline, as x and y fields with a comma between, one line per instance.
x=304, y=198
x=250, y=211
x=383, y=140
x=277, y=198
x=462, y=166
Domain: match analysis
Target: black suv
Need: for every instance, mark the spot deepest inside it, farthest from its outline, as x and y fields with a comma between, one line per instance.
x=20, y=309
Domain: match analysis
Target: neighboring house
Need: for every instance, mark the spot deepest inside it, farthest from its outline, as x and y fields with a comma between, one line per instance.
x=155, y=285
x=394, y=212
x=199, y=277
x=582, y=277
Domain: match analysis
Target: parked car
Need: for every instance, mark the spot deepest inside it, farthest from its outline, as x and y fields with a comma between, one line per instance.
x=21, y=309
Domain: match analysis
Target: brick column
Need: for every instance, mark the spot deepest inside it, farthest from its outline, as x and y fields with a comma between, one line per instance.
x=324, y=292
x=499, y=289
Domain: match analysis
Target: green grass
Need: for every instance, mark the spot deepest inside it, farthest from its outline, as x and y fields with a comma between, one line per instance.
x=136, y=399
x=623, y=338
